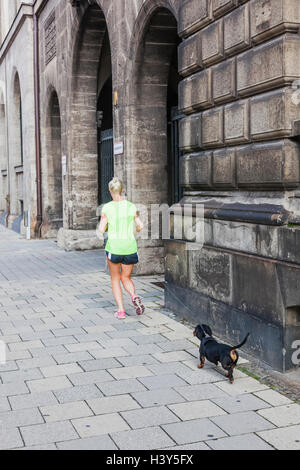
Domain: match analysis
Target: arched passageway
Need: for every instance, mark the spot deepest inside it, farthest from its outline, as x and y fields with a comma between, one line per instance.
x=54, y=201
x=91, y=107
x=154, y=116
x=17, y=153
x=3, y=157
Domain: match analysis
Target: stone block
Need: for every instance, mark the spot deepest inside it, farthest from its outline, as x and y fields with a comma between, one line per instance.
x=273, y=17
x=210, y=273
x=66, y=411
x=196, y=429
x=193, y=15
x=273, y=64
x=48, y=433
x=142, y=439
x=213, y=128
x=282, y=438
x=241, y=403
x=241, y=386
x=196, y=410
x=244, y=442
x=195, y=92
x=77, y=240
x=10, y=439
x=98, y=425
x=81, y=393
x=147, y=417
x=189, y=55
x=212, y=44
x=129, y=372
x=224, y=81
x=158, y=397
x=220, y=7
x=237, y=31
x=272, y=115
x=176, y=263
x=121, y=387
x=256, y=289
x=224, y=165
x=195, y=170
x=190, y=133
x=112, y=404
x=284, y=415
x=269, y=165
x=236, y=122
x=162, y=381
x=242, y=423
x=89, y=443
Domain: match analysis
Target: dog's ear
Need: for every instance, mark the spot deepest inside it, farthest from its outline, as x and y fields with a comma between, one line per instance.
x=207, y=330
x=194, y=332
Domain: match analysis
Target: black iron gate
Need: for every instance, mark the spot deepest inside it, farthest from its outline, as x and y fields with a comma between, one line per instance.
x=176, y=189
x=106, y=167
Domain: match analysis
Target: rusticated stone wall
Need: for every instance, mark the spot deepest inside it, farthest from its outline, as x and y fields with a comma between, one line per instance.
x=239, y=61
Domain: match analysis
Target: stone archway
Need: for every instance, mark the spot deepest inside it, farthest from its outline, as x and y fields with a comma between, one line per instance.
x=153, y=99
x=17, y=159
x=83, y=180
x=53, y=209
x=3, y=157
x=154, y=91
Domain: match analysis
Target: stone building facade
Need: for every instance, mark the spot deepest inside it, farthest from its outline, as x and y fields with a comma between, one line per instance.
x=189, y=102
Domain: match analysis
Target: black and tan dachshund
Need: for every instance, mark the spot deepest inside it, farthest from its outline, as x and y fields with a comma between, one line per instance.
x=216, y=352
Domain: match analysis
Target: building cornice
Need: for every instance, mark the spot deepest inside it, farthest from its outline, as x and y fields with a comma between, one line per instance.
x=25, y=11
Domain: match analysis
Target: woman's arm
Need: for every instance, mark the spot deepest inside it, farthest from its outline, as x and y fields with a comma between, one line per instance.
x=103, y=223
x=138, y=222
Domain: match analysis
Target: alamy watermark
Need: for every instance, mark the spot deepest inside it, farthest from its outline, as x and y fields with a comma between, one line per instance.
x=162, y=222
x=296, y=353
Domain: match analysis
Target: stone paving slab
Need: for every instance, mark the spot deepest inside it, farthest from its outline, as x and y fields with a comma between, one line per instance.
x=244, y=442
x=192, y=431
x=78, y=378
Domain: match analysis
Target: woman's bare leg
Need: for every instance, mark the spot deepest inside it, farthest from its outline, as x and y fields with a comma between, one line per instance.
x=126, y=271
x=115, y=275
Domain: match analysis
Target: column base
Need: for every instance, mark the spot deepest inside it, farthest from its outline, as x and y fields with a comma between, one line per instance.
x=78, y=240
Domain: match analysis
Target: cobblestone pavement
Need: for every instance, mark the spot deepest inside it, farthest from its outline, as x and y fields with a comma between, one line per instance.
x=77, y=378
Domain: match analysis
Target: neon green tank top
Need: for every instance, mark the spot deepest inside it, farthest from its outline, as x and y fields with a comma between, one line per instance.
x=121, y=240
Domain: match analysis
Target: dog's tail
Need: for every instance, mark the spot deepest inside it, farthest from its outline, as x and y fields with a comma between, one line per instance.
x=242, y=343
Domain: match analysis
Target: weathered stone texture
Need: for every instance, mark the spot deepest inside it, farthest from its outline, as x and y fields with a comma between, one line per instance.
x=190, y=133
x=224, y=81
x=189, y=55
x=270, y=65
x=195, y=92
x=273, y=114
x=236, y=122
x=193, y=15
x=212, y=127
x=237, y=30
x=271, y=17
x=195, y=170
x=224, y=164
x=220, y=7
x=269, y=165
x=212, y=43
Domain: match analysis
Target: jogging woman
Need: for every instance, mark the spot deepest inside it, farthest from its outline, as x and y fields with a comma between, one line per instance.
x=118, y=217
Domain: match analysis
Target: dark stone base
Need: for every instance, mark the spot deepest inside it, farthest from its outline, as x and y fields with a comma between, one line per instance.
x=236, y=293
x=265, y=341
